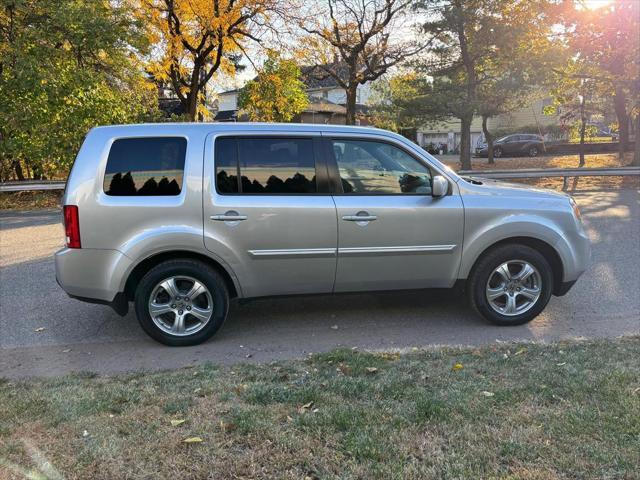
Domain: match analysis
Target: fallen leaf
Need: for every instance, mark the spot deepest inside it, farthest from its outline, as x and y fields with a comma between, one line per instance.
x=305, y=407
x=66, y=350
x=227, y=426
x=85, y=433
x=315, y=410
x=175, y=422
x=561, y=364
x=334, y=327
x=372, y=369
x=458, y=366
x=344, y=369
x=197, y=390
x=248, y=355
x=193, y=440
x=637, y=390
x=487, y=394
x=39, y=329
x=521, y=351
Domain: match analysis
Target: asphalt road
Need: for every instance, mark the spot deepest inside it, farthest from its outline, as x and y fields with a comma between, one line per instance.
x=45, y=333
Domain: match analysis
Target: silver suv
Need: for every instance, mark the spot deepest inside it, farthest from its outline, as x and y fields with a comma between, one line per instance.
x=180, y=218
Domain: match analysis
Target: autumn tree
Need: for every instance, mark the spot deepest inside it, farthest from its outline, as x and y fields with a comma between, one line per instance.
x=608, y=39
x=65, y=67
x=479, y=47
x=277, y=94
x=197, y=38
x=577, y=96
x=355, y=42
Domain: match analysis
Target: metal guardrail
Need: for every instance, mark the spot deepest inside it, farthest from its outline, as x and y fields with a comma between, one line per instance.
x=552, y=172
x=31, y=186
x=493, y=174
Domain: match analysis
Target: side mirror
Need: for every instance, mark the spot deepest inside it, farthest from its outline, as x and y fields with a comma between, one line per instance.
x=440, y=186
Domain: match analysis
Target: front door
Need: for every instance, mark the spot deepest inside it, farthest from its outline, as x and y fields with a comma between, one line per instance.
x=392, y=234
x=268, y=213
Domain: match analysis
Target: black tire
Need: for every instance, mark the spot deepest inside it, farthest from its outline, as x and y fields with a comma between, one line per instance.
x=533, y=151
x=497, y=152
x=200, y=271
x=484, y=268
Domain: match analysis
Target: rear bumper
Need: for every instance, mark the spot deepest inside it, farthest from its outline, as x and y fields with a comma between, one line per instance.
x=92, y=274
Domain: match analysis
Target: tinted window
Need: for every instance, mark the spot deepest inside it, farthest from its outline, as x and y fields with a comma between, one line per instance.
x=145, y=166
x=379, y=168
x=226, y=159
x=267, y=165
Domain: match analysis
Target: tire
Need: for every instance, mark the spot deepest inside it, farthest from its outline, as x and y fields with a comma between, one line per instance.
x=484, y=280
x=533, y=151
x=213, y=299
x=497, y=152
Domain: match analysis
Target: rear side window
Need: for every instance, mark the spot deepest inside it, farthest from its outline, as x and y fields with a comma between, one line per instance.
x=148, y=166
x=265, y=166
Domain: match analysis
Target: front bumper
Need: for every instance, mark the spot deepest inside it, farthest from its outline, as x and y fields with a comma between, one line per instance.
x=91, y=274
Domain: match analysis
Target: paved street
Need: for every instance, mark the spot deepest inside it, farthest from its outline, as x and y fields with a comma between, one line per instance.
x=84, y=337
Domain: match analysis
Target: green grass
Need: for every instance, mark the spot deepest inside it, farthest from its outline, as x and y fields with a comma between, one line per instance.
x=568, y=410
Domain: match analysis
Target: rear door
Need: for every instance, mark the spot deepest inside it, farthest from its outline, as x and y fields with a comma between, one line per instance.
x=392, y=234
x=268, y=213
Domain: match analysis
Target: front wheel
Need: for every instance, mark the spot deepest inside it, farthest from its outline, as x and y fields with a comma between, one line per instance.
x=181, y=302
x=497, y=152
x=533, y=151
x=510, y=285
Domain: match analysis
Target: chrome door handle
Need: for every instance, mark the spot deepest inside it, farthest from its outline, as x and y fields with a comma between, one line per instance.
x=359, y=218
x=228, y=217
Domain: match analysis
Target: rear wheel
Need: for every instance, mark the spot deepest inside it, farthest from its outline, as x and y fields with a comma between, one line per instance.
x=181, y=302
x=510, y=285
x=533, y=151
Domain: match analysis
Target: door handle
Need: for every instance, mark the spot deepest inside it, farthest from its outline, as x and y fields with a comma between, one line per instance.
x=229, y=217
x=360, y=217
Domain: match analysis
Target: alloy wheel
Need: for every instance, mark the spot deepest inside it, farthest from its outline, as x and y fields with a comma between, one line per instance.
x=180, y=305
x=514, y=288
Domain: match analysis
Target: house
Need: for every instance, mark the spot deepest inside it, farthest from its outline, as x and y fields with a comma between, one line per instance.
x=327, y=101
x=530, y=118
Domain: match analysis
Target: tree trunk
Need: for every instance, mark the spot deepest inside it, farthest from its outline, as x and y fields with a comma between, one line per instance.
x=465, y=142
x=18, y=169
x=488, y=138
x=583, y=127
x=619, y=104
x=352, y=93
x=191, y=109
x=636, y=153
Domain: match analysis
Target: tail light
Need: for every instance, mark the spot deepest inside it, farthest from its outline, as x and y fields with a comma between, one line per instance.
x=71, y=226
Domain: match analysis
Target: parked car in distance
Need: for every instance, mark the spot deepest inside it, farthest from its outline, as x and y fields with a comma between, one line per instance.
x=181, y=218
x=518, y=144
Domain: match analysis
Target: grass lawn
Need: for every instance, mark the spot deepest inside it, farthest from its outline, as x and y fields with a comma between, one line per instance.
x=570, y=410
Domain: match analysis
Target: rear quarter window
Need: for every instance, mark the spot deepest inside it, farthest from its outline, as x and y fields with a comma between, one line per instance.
x=150, y=166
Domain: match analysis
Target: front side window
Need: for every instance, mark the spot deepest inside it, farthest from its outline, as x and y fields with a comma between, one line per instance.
x=148, y=166
x=370, y=167
x=266, y=165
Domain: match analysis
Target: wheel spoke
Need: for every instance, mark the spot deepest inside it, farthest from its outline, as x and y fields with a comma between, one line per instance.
x=178, y=324
x=530, y=293
x=201, y=314
x=510, y=306
x=196, y=289
x=493, y=293
x=504, y=272
x=526, y=272
x=170, y=287
x=159, y=308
